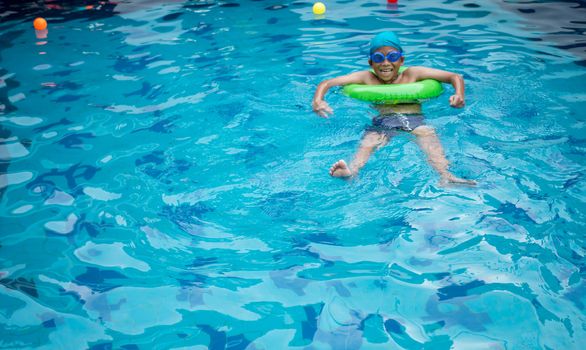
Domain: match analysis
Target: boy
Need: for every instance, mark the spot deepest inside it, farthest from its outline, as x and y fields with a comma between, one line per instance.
x=386, y=56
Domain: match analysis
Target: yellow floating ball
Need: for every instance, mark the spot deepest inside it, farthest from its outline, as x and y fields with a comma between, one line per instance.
x=319, y=8
x=40, y=23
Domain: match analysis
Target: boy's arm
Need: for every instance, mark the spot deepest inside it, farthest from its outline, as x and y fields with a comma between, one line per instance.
x=318, y=104
x=421, y=73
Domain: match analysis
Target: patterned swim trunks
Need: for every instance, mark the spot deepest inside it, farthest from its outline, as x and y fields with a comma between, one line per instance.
x=391, y=123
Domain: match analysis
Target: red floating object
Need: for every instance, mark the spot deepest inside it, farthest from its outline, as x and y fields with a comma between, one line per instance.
x=40, y=23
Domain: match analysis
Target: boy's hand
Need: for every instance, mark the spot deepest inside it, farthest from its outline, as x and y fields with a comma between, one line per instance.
x=322, y=108
x=457, y=101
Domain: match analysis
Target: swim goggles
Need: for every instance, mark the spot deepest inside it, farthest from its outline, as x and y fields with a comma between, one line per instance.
x=392, y=56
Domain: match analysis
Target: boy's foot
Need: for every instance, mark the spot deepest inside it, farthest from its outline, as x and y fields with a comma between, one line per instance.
x=451, y=179
x=340, y=169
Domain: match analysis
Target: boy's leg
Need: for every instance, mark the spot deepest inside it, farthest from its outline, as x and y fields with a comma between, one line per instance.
x=429, y=143
x=370, y=142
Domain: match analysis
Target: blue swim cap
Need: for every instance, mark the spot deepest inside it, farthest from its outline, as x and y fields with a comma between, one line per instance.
x=385, y=39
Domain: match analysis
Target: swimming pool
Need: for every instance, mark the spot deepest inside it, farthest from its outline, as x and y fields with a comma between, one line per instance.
x=164, y=183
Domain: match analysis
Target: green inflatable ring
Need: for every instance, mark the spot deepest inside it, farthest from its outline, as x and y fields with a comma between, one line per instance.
x=395, y=93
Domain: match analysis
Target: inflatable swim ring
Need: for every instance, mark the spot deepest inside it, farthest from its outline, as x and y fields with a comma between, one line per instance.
x=395, y=93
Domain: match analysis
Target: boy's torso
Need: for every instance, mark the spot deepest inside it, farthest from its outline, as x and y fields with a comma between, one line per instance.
x=370, y=78
x=412, y=108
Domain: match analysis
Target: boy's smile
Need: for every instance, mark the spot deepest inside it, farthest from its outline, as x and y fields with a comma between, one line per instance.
x=386, y=70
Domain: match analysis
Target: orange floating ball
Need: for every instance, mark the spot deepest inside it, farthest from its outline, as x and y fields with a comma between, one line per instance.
x=40, y=23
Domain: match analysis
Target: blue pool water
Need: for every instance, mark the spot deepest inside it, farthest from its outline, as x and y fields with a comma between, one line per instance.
x=164, y=183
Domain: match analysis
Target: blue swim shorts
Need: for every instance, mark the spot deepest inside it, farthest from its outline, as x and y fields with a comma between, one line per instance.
x=391, y=123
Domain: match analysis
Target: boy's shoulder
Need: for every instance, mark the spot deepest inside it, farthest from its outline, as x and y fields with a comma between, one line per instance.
x=413, y=69
x=362, y=73
x=368, y=77
x=357, y=77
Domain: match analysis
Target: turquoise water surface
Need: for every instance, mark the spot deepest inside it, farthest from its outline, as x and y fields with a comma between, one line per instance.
x=164, y=182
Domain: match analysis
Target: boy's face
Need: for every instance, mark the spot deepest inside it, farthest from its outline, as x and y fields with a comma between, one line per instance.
x=386, y=70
